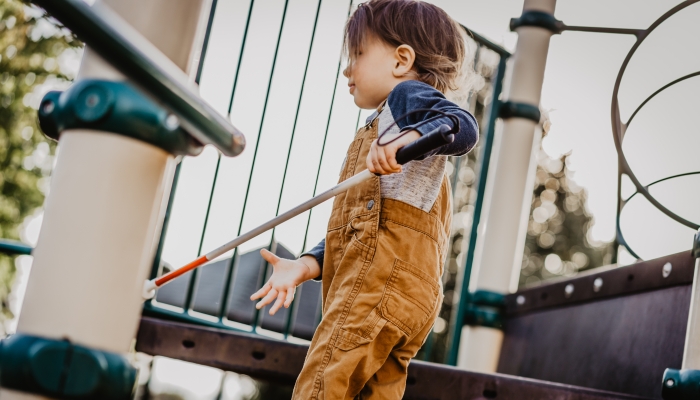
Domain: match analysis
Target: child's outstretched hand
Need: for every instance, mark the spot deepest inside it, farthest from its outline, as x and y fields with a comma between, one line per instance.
x=382, y=159
x=286, y=276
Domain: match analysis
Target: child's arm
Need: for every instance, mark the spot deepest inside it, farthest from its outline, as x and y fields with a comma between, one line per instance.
x=286, y=276
x=413, y=95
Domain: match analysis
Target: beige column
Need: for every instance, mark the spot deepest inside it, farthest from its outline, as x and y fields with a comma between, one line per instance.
x=106, y=206
x=691, y=353
x=501, y=234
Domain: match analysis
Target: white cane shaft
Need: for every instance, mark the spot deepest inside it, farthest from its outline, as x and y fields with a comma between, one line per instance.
x=307, y=205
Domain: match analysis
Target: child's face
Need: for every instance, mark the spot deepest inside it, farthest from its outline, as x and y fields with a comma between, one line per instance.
x=372, y=74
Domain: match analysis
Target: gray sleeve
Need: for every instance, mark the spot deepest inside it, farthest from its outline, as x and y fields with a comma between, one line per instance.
x=317, y=252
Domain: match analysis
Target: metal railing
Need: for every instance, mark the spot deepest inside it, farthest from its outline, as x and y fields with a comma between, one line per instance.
x=217, y=294
x=127, y=51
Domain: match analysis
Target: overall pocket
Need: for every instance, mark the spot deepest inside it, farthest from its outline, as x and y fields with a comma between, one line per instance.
x=410, y=297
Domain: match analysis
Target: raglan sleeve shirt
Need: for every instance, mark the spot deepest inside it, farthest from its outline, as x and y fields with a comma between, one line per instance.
x=412, y=95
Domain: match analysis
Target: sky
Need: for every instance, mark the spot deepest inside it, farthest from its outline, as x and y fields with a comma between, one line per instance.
x=581, y=71
x=577, y=91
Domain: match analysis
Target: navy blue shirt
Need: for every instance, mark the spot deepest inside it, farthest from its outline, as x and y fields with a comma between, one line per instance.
x=412, y=95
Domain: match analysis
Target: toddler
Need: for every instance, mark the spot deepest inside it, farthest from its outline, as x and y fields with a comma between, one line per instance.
x=382, y=259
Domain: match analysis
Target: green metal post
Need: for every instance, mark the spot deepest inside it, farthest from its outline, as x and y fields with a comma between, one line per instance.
x=457, y=320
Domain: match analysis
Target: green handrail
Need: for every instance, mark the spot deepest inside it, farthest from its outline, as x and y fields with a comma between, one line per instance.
x=13, y=247
x=94, y=27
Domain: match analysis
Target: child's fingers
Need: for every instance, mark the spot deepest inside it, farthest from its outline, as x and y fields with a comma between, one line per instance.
x=278, y=303
x=262, y=292
x=290, y=297
x=391, y=159
x=371, y=156
x=269, y=257
x=384, y=167
x=269, y=298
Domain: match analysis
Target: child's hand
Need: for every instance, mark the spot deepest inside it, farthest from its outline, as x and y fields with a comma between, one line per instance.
x=286, y=276
x=382, y=159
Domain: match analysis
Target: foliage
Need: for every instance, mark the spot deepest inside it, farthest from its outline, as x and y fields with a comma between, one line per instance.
x=557, y=241
x=33, y=51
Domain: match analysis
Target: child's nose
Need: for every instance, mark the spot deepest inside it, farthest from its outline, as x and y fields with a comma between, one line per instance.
x=346, y=71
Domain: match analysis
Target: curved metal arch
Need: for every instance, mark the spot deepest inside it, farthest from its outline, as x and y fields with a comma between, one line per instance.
x=666, y=86
x=619, y=128
x=620, y=236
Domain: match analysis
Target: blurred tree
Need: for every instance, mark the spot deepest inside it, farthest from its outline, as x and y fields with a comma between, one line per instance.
x=34, y=55
x=557, y=241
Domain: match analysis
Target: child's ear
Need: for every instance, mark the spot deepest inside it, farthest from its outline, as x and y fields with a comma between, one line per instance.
x=404, y=56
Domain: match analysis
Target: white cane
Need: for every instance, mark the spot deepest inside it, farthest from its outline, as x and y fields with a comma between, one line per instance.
x=439, y=137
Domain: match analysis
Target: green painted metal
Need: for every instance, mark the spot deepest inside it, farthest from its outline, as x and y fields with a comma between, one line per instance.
x=58, y=368
x=512, y=109
x=485, y=308
x=681, y=384
x=457, y=319
x=288, y=322
x=103, y=36
x=114, y=107
x=152, y=309
x=13, y=247
x=539, y=19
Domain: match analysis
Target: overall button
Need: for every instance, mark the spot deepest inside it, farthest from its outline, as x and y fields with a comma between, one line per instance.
x=370, y=204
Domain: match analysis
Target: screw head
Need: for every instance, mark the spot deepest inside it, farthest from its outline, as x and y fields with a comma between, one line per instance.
x=47, y=107
x=520, y=300
x=569, y=290
x=666, y=270
x=670, y=382
x=597, y=284
x=172, y=122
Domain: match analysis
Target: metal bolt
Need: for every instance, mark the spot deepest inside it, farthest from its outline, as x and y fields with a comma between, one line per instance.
x=92, y=100
x=48, y=107
x=670, y=383
x=597, y=284
x=520, y=300
x=666, y=271
x=171, y=122
x=370, y=204
x=569, y=290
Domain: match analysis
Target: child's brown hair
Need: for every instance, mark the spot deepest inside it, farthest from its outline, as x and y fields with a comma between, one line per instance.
x=435, y=37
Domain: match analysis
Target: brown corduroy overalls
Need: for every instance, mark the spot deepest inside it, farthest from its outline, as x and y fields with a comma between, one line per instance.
x=381, y=288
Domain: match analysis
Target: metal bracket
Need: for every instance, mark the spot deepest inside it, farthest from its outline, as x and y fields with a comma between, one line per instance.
x=118, y=108
x=58, y=368
x=539, y=19
x=681, y=384
x=485, y=308
x=696, y=245
x=512, y=109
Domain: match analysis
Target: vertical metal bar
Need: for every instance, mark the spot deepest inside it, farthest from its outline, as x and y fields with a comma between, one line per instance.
x=193, y=278
x=234, y=259
x=205, y=45
x=357, y=124
x=325, y=138
x=164, y=230
x=291, y=143
x=240, y=56
x=256, y=318
x=457, y=320
x=191, y=286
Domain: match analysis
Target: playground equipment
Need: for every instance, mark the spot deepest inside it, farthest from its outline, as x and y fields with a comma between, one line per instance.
x=439, y=137
x=608, y=333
